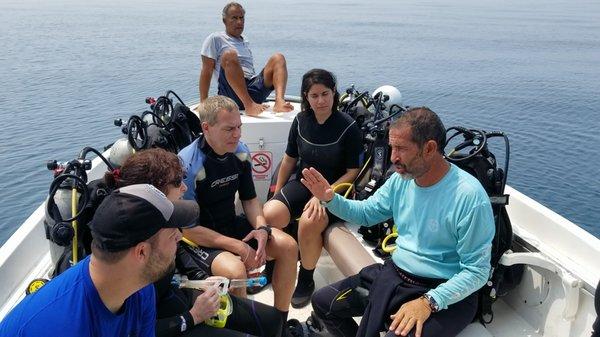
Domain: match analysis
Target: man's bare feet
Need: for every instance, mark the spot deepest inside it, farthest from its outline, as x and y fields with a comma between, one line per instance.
x=255, y=109
x=282, y=106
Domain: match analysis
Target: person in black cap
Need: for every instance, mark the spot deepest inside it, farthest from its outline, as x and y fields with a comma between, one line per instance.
x=109, y=293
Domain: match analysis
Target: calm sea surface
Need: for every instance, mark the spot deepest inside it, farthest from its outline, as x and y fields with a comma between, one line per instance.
x=530, y=68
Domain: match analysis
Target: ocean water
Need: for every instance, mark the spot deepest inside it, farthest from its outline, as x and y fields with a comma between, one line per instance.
x=530, y=68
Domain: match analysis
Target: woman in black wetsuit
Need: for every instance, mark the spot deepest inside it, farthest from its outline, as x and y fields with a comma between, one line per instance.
x=328, y=140
x=182, y=312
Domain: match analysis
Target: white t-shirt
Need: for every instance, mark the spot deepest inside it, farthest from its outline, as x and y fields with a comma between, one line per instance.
x=218, y=42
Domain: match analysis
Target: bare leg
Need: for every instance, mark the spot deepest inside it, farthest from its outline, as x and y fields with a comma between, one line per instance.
x=235, y=78
x=229, y=265
x=276, y=213
x=310, y=240
x=276, y=75
x=284, y=250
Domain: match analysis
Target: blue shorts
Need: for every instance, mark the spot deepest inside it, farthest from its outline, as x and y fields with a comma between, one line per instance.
x=256, y=88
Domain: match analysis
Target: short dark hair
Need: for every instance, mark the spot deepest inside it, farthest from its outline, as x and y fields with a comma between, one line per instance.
x=106, y=256
x=318, y=76
x=232, y=4
x=425, y=125
x=155, y=166
x=109, y=257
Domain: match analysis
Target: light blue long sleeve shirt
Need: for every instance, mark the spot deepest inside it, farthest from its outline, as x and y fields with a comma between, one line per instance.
x=444, y=231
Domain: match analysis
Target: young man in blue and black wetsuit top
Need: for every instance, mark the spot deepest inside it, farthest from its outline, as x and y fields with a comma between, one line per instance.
x=217, y=166
x=109, y=293
x=445, y=228
x=227, y=57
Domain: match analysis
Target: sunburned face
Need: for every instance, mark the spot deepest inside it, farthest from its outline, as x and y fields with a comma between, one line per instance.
x=406, y=155
x=225, y=135
x=320, y=99
x=234, y=21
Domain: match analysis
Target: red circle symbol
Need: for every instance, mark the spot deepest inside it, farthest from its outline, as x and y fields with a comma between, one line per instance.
x=261, y=163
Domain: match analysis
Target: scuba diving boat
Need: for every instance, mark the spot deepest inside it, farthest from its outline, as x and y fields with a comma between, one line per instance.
x=545, y=271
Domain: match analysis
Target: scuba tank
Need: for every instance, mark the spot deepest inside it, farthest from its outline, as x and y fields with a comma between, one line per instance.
x=119, y=152
x=66, y=197
x=166, y=125
x=67, y=204
x=473, y=156
x=373, y=115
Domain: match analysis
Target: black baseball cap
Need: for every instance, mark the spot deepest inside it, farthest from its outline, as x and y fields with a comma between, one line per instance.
x=134, y=213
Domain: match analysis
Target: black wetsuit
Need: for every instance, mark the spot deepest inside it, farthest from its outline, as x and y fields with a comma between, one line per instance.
x=331, y=148
x=213, y=181
x=225, y=175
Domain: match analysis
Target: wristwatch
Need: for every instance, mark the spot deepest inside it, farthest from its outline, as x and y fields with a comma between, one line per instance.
x=183, y=325
x=324, y=203
x=267, y=229
x=433, y=305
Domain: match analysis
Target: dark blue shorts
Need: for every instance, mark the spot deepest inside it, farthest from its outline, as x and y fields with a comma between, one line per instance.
x=256, y=88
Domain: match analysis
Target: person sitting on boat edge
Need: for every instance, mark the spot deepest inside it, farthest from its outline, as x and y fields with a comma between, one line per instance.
x=445, y=229
x=227, y=57
x=217, y=166
x=110, y=293
x=183, y=310
x=318, y=134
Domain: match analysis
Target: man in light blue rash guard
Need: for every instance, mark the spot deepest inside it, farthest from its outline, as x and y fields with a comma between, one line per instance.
x=110, y=293
x=445, y=229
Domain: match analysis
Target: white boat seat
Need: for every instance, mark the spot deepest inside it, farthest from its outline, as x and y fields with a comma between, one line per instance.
x=345, y=250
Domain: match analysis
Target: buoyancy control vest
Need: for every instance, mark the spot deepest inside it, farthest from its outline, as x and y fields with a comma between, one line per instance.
x=481, y=163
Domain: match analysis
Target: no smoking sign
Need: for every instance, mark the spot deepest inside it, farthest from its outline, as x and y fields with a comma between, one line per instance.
x=261, y=165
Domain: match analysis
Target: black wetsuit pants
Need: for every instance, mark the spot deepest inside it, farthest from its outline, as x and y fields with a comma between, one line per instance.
x=337, y=303
x=249, y=318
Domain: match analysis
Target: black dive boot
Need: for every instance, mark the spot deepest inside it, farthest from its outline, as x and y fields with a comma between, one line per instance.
x=311, y=328
x=304, y=288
